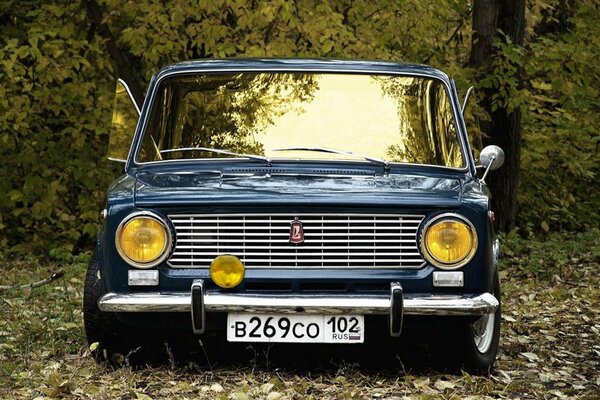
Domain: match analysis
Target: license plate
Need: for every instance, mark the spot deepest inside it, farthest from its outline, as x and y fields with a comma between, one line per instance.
x=295, y=328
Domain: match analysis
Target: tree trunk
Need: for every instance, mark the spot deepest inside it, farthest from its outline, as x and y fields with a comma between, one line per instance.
x=504, y=129
x=124, y=68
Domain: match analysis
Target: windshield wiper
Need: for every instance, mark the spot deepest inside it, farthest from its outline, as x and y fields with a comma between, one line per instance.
x=374, y=160
x=221, y=151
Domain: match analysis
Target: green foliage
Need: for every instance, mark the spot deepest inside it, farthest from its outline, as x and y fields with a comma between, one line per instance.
x=157, y=34
x=55, y=97
x=57, y=80
x=557, y=254
x=561, y=157
x=560, y=160
x=57, y=83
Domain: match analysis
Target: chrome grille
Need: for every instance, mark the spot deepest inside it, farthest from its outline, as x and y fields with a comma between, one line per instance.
x=330, y=240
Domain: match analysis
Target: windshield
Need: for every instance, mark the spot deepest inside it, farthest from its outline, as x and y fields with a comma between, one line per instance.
x=404, y=119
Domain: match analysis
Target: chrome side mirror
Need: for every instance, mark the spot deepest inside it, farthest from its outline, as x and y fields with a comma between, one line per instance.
x=491, y=158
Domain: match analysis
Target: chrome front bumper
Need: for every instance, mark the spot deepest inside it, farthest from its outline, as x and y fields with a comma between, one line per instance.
x=223, y=302
x=449, y=305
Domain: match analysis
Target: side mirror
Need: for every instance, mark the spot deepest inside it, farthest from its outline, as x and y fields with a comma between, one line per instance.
x=491, y=158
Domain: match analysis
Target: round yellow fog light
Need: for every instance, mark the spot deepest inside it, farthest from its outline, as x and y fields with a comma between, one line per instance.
x=227, y=271
x=449, y=243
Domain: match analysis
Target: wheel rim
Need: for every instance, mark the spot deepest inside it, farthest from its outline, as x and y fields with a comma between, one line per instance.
x=483, y=332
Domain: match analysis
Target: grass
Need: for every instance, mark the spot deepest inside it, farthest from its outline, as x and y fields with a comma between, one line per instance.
x=550, y=346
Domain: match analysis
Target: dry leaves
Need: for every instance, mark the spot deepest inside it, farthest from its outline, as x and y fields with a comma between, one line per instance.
x=550, y=348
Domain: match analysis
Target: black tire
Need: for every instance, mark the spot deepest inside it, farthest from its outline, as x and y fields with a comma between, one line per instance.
x=118, y=344
x=479, y=351
x=100, y=327
x=460, y=347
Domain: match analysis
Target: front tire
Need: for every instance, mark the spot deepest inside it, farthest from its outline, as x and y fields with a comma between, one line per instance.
x=117, y=342
x=101, y=328
x=482, y=337
x=471, y=346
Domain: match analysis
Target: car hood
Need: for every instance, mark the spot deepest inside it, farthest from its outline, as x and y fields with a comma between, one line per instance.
x=210, y=188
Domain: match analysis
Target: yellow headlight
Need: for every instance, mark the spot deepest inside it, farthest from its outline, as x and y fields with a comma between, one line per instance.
x=142, y=241
x=449, y=243
x=227, y=271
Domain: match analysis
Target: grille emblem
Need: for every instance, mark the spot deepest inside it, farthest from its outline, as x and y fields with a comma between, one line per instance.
x=296, y=232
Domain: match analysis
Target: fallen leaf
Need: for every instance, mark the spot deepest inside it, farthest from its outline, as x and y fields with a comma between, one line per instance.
x=530, y=356
x=443, y=385
x=238, y=396
x=27, y=291
x=215, y=387
x=266, y=388
x=274, y=396
x=421, y=383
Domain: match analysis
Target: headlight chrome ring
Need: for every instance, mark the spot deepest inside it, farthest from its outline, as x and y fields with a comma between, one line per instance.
x=464, y=227
x=165, y=248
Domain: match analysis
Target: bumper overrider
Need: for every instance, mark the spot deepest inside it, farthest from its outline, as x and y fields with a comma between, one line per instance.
x=396, y=304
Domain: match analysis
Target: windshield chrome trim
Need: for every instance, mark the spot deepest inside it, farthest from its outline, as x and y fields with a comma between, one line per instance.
x=296, y=160
x=461, y=132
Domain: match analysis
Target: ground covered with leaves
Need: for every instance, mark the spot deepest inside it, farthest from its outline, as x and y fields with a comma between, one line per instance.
x=550, y=346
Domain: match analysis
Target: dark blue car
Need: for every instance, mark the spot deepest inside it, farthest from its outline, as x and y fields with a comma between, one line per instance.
x=309, y=201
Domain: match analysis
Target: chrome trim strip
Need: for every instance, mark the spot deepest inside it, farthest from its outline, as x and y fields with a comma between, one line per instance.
x=284, y=234
x=466, y=100
x=145, y=302
x=287, y=214
x=137, y=125
x=175, y=220
x=284, y=241
x=398, y=263
x=311, y=254
x=324, y=161
x=496, y=252
x=130, y=94
x=448, y=305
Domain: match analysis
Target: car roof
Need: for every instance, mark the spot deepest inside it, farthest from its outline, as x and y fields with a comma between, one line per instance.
x=301, y=64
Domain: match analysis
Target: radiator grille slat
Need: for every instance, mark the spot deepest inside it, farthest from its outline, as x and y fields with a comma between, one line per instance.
x=331, y=240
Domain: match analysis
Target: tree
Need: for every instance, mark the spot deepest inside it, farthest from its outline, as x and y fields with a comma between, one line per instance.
x=59, y=62
x=55, y=100
x=561, y=123
x=500, y=21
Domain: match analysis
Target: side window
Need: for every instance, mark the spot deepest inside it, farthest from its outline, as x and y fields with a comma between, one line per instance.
x=124, y=120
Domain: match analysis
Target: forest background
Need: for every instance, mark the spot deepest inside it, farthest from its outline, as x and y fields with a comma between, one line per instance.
x=536, y=68
x=59, y=62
